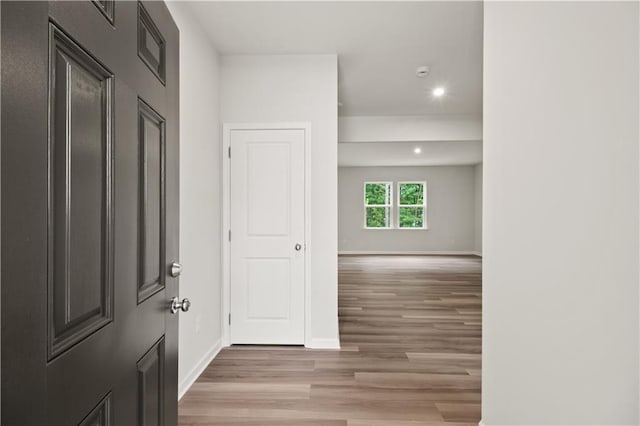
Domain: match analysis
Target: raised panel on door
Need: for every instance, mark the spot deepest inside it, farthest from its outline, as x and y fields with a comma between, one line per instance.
x=151, y=44
x=267, y=222
x=268, y=285
x=80, y=272
x=151, y=140
x=268, y=189
x=100, y=415
x=151, y=377
x=107, y=8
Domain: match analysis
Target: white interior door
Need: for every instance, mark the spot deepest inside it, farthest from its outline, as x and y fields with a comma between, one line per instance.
x=267, y=246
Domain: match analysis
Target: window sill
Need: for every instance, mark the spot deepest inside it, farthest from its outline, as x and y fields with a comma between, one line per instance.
x=395, y=229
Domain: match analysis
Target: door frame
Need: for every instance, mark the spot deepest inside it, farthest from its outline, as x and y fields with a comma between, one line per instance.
x=225, y=298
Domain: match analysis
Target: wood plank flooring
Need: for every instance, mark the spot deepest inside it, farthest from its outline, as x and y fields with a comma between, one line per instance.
x=410, y=330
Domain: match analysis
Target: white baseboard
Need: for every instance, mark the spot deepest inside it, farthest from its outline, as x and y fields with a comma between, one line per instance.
x=197, y=369
x=324, y=344
x=414, y=253
x=477, y=253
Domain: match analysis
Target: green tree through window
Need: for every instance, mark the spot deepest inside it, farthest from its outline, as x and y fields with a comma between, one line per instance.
x=377, y=201
x=411, y=205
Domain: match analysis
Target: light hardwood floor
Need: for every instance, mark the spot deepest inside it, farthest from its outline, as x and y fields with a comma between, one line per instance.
x=410, y=330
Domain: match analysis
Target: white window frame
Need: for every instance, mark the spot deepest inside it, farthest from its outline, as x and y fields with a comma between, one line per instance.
x=423, y=205
x=389, y=205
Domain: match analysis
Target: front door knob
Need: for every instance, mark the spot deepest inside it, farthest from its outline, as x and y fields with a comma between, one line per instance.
x=177, y=305
x=298, y=247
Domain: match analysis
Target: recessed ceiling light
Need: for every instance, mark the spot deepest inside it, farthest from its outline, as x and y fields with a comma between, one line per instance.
x=417, y=150
x=438, y=92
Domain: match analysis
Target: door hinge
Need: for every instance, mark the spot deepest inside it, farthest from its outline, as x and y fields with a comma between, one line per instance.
x=229, y=234
x=229, y=318
x=229, y=152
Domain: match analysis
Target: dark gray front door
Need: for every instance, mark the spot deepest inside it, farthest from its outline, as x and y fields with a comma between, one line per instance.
x=89, y=213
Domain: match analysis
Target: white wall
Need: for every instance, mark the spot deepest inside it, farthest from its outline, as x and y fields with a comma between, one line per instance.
x=298, y=88
x=200, y=329
x=444, y=127
x=478, y=210
x=560, y=295
x=450, y=210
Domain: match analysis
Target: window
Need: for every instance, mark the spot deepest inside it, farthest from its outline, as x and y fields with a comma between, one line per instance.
x=378, y=201
x=412, y=203
x=410, y=210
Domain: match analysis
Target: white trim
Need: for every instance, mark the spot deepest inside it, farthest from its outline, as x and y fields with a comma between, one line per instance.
x=226, y=213
x=324, y=344
x=197, y=369
x=414, y=253
x=307, y=232
x=477, y=253
x=224, y=241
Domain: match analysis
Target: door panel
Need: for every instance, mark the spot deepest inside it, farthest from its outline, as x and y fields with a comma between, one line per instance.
x=85, y=187
x=268, y=189
x=80, y=232
x=151, y=386
x=151, y=225
x=100, y=415
x=151, y=44
x=267, y=221
x=268, y=280
x=107, y=8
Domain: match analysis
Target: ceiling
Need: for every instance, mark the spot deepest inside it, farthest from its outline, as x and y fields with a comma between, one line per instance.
x=379, y=47
x=433, y=153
